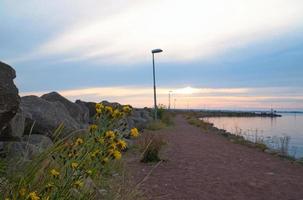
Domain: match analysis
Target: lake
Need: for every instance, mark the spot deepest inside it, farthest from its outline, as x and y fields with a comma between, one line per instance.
x=270, y=130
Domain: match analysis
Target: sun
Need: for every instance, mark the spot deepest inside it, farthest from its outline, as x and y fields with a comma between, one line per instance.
x=187, y=90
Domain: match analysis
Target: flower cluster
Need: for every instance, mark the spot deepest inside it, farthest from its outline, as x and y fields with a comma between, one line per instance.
x=75, y=159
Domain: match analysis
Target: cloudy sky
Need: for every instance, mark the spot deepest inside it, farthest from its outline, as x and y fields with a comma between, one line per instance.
x=235, y=54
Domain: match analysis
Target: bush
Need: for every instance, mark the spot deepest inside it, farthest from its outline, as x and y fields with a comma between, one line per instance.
x=150, y=145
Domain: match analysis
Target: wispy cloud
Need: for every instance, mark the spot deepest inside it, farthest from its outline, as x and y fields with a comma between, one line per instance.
x=186, y=30
x=238, y=98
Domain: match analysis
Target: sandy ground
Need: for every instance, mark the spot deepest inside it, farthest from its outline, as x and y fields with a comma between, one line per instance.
x=207, y=166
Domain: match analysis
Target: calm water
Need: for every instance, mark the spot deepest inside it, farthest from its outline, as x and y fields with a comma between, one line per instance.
x=268, y=129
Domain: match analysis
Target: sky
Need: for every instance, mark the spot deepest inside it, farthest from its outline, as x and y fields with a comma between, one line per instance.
x=217, y=54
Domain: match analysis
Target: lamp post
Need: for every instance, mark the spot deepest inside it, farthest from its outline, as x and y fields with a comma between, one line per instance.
x=169, y=93
x=154, y=77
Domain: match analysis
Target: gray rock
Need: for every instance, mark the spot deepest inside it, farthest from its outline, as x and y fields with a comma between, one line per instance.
x=16, y=150
x=112, y=104
x=139, y=118
x=76, y=111
x=91, y=106
x=145, y=114
x=41, y=141
x=9, y=98
x=46, y=116
x=139, y=122
x=17, y=124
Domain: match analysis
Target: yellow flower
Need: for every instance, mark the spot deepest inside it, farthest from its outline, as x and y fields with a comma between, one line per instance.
x=109, y=109
x=101, y=140
x=55, y=173
x=110, y=152
x=112, y=146
x=78, y=184
x=134, y=132
x=117, y=155
x=116, y=114
x=79, y=141
x=22, y=192
x=34, y=196
x=89, y=172
x=110, y=135
x=74, y=165
x=99, y=106
x=126, y=109
x=93, y=128
x=99, y=111
x=94, y=153
x=49, y=186
x=105, y=160
x=122, y=144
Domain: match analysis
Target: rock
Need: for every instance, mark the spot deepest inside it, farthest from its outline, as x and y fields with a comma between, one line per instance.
x=91, y=106
x=17, y=150
x=15, y=128
x=139, y=118
x=112, y=104
x=9, y=98
x=46, y=116
x=40, y=141
x=18, y=154
x=76, y=111
x=145, y=114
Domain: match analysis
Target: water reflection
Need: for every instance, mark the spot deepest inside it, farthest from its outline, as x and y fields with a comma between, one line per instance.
x=288, y=127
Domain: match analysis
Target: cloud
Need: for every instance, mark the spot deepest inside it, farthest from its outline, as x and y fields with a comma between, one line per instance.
x=232, y=98
x=186, y=30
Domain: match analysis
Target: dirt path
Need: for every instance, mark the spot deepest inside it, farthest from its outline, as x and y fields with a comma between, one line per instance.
x=207, y=166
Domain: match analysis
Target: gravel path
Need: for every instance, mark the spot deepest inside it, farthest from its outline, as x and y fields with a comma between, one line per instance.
x=207, y=166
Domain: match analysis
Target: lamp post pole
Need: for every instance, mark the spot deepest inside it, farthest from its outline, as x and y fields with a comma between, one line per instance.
x=155, y=91
x=169, y=93
x=154, y=78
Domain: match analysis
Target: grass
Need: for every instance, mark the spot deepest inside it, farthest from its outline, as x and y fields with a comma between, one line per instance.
x=156, y=125
x=149, y=145
x=116, y=183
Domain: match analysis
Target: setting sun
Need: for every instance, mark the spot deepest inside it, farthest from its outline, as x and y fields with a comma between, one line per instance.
x=187, y=90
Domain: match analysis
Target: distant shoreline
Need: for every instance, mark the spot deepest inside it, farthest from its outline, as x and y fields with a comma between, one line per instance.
x=212, y=113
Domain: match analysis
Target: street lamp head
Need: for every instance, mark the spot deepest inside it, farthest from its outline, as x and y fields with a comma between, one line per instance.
x=157, y=50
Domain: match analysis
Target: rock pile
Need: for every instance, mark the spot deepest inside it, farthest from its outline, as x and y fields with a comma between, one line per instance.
x=28, y=124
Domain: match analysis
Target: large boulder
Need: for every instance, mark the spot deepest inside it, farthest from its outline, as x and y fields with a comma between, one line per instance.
x=9, y=98
x=17, y=150
x=76, y=111
x=139, y=118
x=91, y=106
x=29, y=147
x=40, y=141
x=44, y=117
x=15, y=128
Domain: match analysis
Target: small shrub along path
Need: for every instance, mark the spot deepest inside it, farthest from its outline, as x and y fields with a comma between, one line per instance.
x=207, y=166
